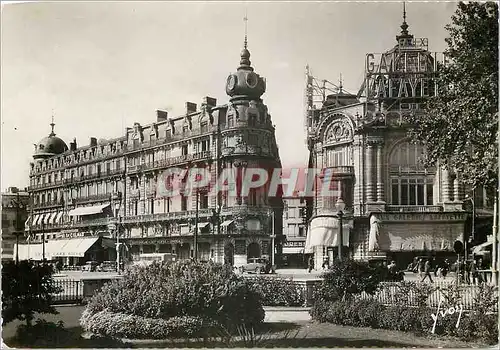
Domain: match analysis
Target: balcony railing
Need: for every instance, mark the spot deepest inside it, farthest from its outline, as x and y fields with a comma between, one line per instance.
x=49, y=204
x=166, y=216
x=164, y=163
x=92, y=198
x=414, y=208
x=46, y=185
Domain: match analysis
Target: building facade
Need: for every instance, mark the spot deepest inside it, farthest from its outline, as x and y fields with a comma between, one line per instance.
x=294, y=229
x=395, y=207
x=15, y=204
x=111, y=188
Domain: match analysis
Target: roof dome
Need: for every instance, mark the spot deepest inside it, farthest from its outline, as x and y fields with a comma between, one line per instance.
x=50, y=146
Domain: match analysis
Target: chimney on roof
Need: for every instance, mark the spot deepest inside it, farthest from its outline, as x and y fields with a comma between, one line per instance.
x=161, y=116
x=93, y=142
x=72, y=145
x=190, y=107
x=209, y=101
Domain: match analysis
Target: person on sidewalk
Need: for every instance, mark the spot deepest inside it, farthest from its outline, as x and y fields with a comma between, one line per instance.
x=310, y=264
x=427, y=271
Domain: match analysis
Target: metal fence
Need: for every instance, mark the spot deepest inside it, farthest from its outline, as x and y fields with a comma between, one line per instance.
x=389, y=294
x=72, y=292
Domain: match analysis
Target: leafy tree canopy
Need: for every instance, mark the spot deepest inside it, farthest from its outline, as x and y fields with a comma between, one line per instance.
x=459, y=128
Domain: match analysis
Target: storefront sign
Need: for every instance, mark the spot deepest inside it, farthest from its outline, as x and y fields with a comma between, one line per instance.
x=390, y=217
x=299, y=244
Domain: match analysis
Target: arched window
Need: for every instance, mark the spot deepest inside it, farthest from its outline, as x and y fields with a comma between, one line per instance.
x=411, y=183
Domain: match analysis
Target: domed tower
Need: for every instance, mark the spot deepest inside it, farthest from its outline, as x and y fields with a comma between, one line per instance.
x=49, y=146
x=248, y=141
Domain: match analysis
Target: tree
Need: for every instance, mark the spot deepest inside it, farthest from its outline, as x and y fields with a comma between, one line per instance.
x=27, y=288
x=459, y=128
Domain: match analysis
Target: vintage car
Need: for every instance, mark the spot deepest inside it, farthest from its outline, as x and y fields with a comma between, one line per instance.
x=257, y=265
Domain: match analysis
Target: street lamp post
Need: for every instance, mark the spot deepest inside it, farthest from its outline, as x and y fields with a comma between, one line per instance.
x=340, y=206
x=471, y=237
x=272, y=237
x=195, y=250
x=117, y=232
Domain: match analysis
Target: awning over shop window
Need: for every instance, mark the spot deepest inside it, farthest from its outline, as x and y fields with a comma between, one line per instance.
x=414, y=231
x=76, y=247
x=27, y=222
x=43, y=219
x=324, y=231
x=293, y=250
x=36, y=218
x=81, y=211
x=51, y=218
x=481, y=248
x=202, y=225
x=58, y=217
x=227, y=223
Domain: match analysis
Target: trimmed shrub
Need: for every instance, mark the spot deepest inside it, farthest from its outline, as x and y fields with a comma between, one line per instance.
x=170, y=292
x=370, y=313
x=278, y=291
x=138, y=327
x=348, y=278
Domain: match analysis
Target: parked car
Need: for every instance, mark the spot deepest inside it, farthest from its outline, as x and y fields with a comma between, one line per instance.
x=90, y=266
x=257, y=265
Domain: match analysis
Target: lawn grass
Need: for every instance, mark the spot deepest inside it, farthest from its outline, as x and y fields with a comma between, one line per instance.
x=302, y=334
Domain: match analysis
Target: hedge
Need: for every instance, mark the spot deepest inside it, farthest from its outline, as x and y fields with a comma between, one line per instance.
x=370, y=313
x=137, y=327
x=278, y=291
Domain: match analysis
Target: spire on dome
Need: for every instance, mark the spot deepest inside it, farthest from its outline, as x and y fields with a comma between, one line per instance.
x=404, y=26
x=340, y=82
x=245, y=54
x=52, y=126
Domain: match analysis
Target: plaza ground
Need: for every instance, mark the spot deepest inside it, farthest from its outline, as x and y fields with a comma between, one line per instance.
x=296, y=322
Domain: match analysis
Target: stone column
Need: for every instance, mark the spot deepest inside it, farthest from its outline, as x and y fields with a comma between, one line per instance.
x=445, y=181
x=457, y=189
x=369, y=173
x=380, y=181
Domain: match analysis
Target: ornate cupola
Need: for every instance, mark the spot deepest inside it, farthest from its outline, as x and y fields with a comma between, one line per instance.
x=245, y=84
x=405, y=36
x=49, y=146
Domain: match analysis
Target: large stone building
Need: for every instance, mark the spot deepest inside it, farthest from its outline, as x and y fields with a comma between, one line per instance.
x=92, y=193
x=395, y=207
x=294, y=229
x=15, y=203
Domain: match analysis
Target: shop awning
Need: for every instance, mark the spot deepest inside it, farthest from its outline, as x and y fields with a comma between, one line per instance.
x=50, y=218
x=35, y=220
x=43, y=219
x=324, y=231
x=293, y=250
x=81, y=211
x=75, y=247
x=27, y=222
x=202, y=225
x=481, y=248
x=226, y=223
x=58, y=217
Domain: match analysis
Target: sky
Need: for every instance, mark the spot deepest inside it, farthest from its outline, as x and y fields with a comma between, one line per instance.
x=98, y=67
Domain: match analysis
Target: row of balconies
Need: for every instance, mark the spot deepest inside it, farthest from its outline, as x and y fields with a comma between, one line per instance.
x=164, y=163
x=80, y=161
x=74, y=179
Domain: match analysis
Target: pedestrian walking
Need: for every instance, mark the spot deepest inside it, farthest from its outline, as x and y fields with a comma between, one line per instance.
x=467, y=271
x=473, y=272
x=445, y=268
x=310, y=264
x=421, y=267
x=427, y=271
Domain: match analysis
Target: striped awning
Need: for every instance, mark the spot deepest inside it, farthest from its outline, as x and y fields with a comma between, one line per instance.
x=227, y=223
x=35, y=220
x=59, y=217
x=202, y=225
x=81, y=211
x=51, y=217
x=43, y=219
